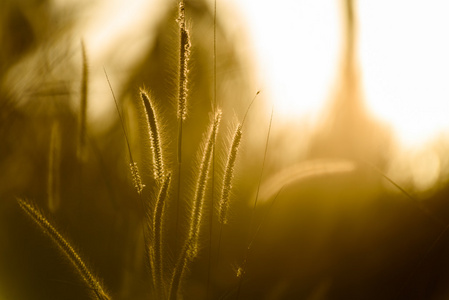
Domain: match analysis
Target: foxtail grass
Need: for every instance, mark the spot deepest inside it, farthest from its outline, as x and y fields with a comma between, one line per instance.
x=198, y=200
x=212, y=197
x=137, y=180
x=229, y=169
x=183, y=70
x=54, y=161
x=158, y=216
x=190, y=248
x=184, y=57
x=82, y=115
x=66, y=248
x=241, y=270
x=223, y=204
x=229, y=173
x=155, y=140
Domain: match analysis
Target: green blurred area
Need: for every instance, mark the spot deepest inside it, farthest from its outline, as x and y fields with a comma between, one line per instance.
x=338, y=235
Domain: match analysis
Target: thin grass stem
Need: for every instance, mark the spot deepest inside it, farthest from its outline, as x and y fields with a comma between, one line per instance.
x=54, y=161
x=133, y=165
x=242, y=269
x=212, y=200
x=158, y=217
x=82, y=116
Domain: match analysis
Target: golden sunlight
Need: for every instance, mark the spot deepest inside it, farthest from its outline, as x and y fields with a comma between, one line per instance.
x=402, y=54
x=139, y=158
x=297, y=45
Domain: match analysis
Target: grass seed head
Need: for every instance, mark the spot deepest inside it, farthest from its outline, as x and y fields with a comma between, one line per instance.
x=198, y=202
x=184, y=57
x=229, y=173
x=155, y=140
x=136, y=177
x=65, y=247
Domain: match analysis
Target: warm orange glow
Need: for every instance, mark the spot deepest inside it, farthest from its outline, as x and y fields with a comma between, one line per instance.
x=134, y=139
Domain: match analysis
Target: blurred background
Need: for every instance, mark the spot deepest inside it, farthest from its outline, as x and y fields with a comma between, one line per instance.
x=360, y=99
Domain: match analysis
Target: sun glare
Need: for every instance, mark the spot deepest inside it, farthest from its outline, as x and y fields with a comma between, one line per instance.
x=297, y=45
x=402, y=54
x=405, y=64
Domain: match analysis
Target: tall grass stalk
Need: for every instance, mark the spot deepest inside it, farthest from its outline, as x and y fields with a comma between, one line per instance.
x=190, y=248
x=65, y=247
x=229, y=169
x=184, y=56
x=212, y=197
x=223, y=204
x=201, y=184
x=155, y=140
x=241, y=270
x=229, y=173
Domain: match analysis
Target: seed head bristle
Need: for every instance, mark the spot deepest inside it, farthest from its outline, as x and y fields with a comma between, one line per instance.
x=136, y=177
x=184, y=56
x=239, y=272
x=155, y=140
x=229, y=173
x=198, y=202
x=66, y=248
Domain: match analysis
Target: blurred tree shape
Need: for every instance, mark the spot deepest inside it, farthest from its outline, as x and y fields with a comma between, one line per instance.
x=347, y=129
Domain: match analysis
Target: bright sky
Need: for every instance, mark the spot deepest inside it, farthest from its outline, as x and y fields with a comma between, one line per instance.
x=403, y=54
x=403, y=51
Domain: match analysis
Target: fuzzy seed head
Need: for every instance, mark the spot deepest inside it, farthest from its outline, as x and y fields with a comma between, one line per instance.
x=181, y=14
x=229, y=174
x=239, y=272
x=136, y=177
x=200, y=190
x=184, y=56
x=65, y=247
x=155, y=140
